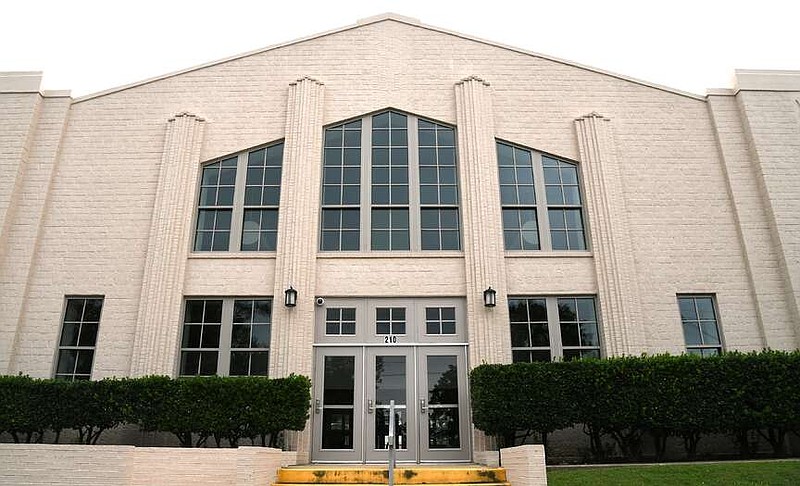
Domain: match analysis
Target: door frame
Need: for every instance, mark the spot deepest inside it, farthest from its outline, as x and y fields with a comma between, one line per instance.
x=416, y=344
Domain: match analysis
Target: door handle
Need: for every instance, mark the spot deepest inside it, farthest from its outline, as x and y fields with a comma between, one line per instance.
x=370, y=406
x=318, y=406
x=422, y=407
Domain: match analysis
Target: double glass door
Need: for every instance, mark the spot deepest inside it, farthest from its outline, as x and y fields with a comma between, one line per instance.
x=353, y=390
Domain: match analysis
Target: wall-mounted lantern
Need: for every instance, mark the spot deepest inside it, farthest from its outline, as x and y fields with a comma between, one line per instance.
x=290, y=298
x=490, y=297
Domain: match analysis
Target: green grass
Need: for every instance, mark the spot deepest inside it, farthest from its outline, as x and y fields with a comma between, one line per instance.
x=727, y=474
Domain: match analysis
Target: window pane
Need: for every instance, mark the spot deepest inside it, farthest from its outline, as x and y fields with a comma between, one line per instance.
x=705, y=308
x=589, y=334
x=691, y=333
x=91, y=312
x=74, y=312
x=540, y=334
x=259, y=363
x=208, y=363
x=213, y=311
x=559, y=240
x=69, y=334
x=66, y=361
x=262, y=311
x=190, y=363
x=688, y=312
x=518, y=310
x=569, y=335
x=520, y=356
x=210, y=336
x=586, y=309
x=240, y=363
x=83, y=364
x=520, y=337
x=240, y=336
x=709, y=330
x=567, y=310
x=88, y=334
x=538, y=310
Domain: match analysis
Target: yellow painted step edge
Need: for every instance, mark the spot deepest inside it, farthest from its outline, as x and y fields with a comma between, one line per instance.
x=384, y=484
x=407, y=475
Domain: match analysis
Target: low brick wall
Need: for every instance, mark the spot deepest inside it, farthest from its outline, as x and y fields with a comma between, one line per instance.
x=61, y=464
x=525, y=465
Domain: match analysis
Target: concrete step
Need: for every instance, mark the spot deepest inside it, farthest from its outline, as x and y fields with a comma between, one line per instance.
x=366, y=475
x=385, y=483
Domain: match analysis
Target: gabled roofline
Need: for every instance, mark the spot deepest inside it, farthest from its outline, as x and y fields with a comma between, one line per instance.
x=403, y=20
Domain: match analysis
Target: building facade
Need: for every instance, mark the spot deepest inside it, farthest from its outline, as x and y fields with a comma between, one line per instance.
x=345, y=206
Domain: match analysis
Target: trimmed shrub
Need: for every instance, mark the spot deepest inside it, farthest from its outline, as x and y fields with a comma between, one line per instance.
x=744, y=395
x=193, y=409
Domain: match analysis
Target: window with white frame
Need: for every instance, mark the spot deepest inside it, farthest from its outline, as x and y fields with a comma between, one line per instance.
x=550, y=328
x=700, y=326
x=226, y=337
x=238, y=202
x=541, y=201
x=76, y=345
x=390, y=183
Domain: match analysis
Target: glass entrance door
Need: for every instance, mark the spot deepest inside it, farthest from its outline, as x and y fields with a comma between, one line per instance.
x=442, y=398
x=353, y=390
x=338, y=405
x=390, y=376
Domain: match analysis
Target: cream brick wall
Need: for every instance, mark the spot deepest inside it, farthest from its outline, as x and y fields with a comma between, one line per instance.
x=772, y=123
x=61, y=464
x=525, y=465
x=752, y=208
x=682, y=189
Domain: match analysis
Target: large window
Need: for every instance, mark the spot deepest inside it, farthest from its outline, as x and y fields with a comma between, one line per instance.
x=548, y=328
x=390, y=183
x=700, y=328
x=226, y=337
x=78, y=338
x=238, y=203
x=541, y=201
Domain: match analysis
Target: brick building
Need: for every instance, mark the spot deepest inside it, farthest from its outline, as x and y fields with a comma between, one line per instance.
x=395, y=179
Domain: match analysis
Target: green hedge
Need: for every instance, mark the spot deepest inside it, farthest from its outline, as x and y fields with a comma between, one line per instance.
x=193, y=409
x=628, y=398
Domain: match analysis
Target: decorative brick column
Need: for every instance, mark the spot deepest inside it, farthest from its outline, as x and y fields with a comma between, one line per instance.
x=482, y=234
x=295, y=265
x=157, y=326
x=610, y=236
x=489, y=336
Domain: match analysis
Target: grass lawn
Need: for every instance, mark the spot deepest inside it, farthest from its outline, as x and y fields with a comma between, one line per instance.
x=727, y=473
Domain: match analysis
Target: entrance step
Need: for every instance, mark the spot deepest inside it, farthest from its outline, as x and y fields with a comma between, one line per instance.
x=440, y=475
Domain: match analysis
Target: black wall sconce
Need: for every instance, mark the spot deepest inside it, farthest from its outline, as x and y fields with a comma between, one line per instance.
x=290, y=297
x=490, y=297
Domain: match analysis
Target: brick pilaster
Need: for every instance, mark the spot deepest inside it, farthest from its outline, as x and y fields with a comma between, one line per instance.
x=158, y=323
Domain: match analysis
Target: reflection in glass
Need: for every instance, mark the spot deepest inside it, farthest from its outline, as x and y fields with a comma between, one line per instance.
x=339, y=380
x=443, y=426
x=337, y=429
x=382, y=428
x=390, y=380
x=390, y=384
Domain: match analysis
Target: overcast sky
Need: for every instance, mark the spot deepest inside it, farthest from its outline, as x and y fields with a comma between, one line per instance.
x=89, y=46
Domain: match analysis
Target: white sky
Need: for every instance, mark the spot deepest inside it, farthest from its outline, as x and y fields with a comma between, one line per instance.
x=89, y=46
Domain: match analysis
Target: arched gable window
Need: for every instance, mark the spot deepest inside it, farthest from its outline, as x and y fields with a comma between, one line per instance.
x=541, y=201
x=238, y=202
x=390, y=182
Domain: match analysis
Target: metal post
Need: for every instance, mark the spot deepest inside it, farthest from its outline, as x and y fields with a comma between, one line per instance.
x=391, y=443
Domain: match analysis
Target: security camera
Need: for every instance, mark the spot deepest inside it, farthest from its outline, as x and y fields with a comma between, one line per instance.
x=320, y=301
